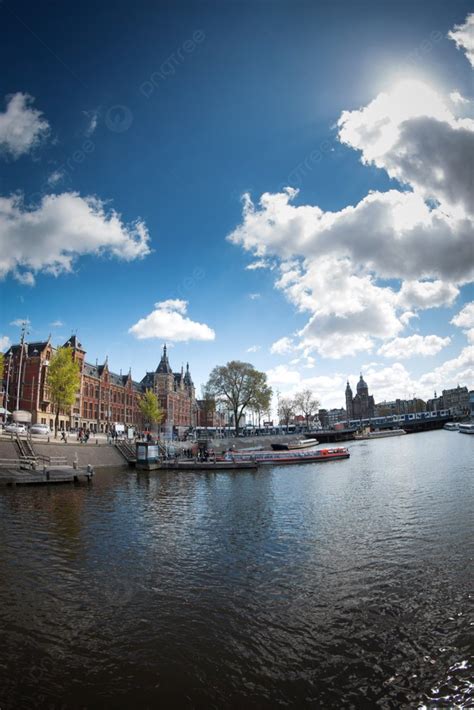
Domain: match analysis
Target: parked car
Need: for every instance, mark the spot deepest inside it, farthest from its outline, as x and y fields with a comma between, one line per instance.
x=42, y=429
x=15, y=428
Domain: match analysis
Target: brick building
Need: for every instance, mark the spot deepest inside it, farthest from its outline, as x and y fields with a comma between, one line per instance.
x=104, y=397
x=175, y=392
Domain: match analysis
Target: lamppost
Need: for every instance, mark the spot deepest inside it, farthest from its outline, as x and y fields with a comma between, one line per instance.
x=7, y=390
x=22, y=343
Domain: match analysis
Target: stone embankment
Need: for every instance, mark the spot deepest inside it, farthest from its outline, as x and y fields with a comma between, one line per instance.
x=100, y=455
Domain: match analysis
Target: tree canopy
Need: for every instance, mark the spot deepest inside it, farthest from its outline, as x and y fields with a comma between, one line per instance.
x=150, y=408
x=63, y=380
x=239, y=385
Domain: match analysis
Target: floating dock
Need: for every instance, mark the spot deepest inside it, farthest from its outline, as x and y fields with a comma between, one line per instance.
x=54, y=474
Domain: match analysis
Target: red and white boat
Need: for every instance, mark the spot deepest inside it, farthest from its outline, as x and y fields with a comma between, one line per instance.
x=284, y=458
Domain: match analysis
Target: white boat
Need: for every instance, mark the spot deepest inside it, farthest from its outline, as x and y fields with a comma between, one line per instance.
x=379, y=434
x=284, y=458
x=466, y=428
x=296, y=445
x=451, y=426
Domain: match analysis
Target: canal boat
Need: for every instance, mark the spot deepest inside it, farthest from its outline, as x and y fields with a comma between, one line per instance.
x=285, y=458
x=466, y=428
x=379, y=434
x=296, y=445
x=451, y=426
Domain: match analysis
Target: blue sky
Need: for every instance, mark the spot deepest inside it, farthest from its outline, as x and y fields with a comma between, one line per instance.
x=130, y=133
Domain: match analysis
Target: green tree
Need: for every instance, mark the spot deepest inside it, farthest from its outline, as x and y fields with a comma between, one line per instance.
x=64, y=381
x=307, y=404
x=150, y=408
x=239, y=385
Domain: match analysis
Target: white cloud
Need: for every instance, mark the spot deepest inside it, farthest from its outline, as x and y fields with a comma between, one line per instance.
x=335, y=265
x=427, y=294
x=173, y=304
x=5, y=342
x=413, y=345
x=22, y=127
x=458, y=370
x=283, y=375
x=282, y=346
x=55, y=177
x=410, y=133
x=92, y=120
x=168, y=322
x=254, y=296
x=458, y=98
x=254, y=348
x=259, y=264
x=47, y=238
x=406, y=317
x=56, y=324
x=465, y=317
x=19, y=322
x=463, y=35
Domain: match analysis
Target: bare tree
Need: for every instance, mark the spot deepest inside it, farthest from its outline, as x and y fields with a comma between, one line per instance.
x=286, y=410
x=307, y=404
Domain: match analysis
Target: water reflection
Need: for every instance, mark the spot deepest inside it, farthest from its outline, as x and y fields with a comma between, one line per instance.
x=339, y=585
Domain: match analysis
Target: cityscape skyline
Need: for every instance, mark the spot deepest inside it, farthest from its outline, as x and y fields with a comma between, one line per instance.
x=188, y=204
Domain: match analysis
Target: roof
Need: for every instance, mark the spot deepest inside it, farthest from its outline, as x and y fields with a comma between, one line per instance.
x=30, y=348
x=73, y=342
x=164, y=365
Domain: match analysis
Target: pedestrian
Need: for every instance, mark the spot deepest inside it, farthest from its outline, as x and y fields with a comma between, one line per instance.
x=63, y=436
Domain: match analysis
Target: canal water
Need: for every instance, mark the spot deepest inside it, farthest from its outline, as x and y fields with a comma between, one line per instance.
x=336, y=585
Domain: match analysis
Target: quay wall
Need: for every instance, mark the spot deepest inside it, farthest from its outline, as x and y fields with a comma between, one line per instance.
x=97, y=455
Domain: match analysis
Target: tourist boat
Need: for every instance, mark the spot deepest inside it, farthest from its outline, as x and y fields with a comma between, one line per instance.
x=466, y=428
x=284, y=458
x=367, y=434
x=295, y=445
x=451, y=426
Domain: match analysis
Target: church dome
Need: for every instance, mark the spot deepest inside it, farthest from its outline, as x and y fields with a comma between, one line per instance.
x=362, y=386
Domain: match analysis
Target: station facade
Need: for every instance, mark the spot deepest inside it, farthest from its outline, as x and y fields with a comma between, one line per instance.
x=104, y=398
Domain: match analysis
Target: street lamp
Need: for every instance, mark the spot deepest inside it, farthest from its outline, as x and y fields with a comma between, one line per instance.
x=7, y=392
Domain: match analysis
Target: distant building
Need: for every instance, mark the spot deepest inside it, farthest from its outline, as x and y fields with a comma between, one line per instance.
x=175, y=392
x=456, y=399
x=361, y=406
x=471, y=404
x=209, y=416
x=399, y=406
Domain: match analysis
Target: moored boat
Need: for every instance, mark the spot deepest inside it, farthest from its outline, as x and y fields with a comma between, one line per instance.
x=284, y=458
x=451, y=426
x=296, y=445
x=379, y=434
x=466, y=428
